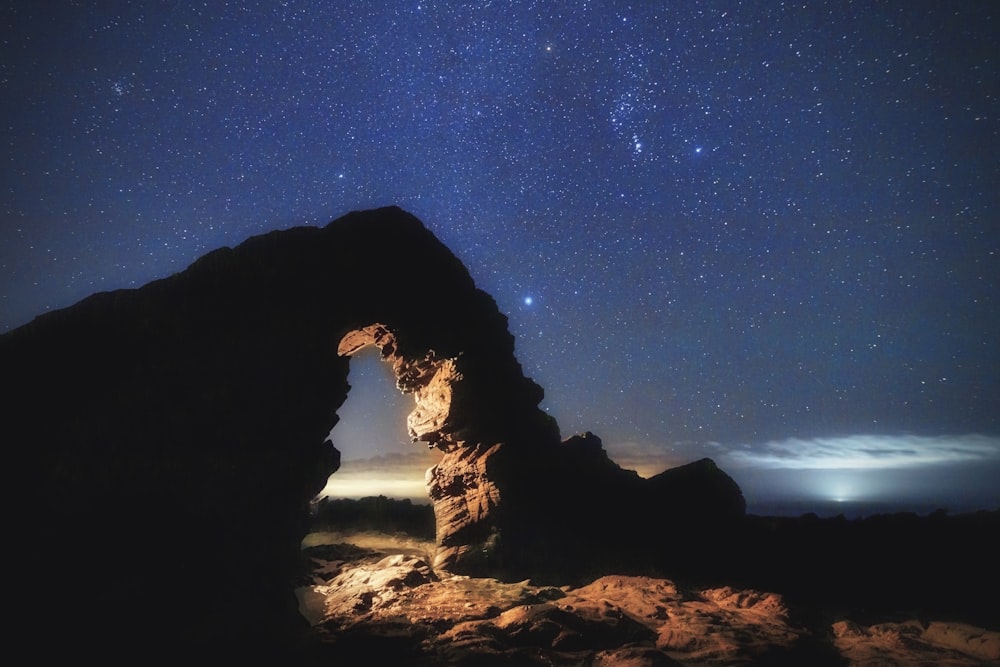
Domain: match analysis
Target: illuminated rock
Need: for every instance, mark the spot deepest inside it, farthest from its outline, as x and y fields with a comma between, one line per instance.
x=178, y=431
x=171, y=437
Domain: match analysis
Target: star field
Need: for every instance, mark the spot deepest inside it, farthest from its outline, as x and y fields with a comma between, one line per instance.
x=717, y=224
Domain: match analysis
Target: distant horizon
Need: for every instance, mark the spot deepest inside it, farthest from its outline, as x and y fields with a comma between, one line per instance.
x=844, y=474
x=790, y=508
x=399, y=476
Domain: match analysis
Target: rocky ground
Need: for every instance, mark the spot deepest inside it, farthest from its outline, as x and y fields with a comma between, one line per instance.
x=376, y=597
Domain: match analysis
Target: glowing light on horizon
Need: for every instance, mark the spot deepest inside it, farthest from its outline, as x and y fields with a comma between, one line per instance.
x=869, y=452
x=371, y=484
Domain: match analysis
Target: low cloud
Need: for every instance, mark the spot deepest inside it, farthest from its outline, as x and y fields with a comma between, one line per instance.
x=942, y=469
x=867, y=452
x=397, y=475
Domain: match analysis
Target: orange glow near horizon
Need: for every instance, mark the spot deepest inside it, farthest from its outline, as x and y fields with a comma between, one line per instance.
x=391, y=482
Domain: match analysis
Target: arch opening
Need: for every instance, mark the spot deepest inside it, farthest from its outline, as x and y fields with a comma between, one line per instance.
x=376, y=453
x=391, y=431
x=376, y=505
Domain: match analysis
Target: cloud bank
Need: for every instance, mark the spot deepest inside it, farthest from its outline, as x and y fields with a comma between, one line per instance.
x=908, y=471
x=867, y=452
x=956, y=471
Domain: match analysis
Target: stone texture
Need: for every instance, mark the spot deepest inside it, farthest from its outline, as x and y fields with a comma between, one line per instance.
x=912, y=642
x=614, y=620
x=464, y=494
x=364, y=589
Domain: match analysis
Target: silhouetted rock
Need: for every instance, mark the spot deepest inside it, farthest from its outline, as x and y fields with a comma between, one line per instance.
x=933, y=566
x=170, y=438
x=701, y=484
x=570, y=499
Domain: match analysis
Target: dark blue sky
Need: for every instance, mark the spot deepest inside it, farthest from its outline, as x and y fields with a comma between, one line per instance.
x=737, y=222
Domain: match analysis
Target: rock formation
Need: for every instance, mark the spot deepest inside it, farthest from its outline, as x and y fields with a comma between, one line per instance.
x=177, y=431
x=389, y=607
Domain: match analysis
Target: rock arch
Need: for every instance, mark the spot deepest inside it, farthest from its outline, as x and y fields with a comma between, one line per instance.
x=171, y=437
x=176, y=432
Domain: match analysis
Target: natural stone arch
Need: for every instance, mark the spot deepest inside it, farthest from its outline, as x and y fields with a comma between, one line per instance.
x=187, y=421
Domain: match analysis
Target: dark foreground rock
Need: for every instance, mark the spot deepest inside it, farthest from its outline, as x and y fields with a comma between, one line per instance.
x=164, y=444
x=166, y=441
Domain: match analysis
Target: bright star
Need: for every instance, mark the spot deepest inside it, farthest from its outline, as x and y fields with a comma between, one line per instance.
x=698, y=150
x=528, y=300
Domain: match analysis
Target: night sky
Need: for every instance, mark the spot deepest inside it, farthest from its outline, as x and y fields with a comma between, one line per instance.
x=765, y=232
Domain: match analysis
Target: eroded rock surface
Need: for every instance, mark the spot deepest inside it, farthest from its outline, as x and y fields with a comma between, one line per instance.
x=913, y=642
x=612, y=620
